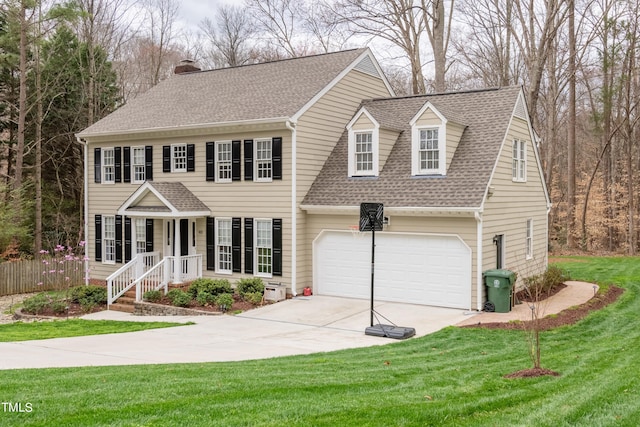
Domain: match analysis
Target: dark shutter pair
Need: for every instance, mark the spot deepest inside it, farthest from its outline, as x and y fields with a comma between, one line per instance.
x=148, y=163
x=211, y=161
x=276, y=246
x=235, y=244
x=117, y=163
x=276, y=159
x=191, y=158
x=128, y=233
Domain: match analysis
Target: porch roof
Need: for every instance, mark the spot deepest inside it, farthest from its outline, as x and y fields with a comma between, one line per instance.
x=164, y=199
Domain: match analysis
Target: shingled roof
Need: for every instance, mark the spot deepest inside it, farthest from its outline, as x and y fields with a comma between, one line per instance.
x=269, y=90
x=173, y=197
x=486, y=115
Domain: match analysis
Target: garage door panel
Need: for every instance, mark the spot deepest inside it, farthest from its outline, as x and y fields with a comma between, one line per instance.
x=419, y=269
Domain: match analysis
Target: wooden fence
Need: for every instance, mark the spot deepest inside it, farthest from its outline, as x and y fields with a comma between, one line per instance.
x=20, y=277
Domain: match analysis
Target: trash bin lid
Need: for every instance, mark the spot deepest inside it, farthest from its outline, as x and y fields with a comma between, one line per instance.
x=500, y=272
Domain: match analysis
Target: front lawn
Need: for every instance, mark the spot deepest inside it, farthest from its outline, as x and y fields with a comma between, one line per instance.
x=451, y=378
x=72, y=328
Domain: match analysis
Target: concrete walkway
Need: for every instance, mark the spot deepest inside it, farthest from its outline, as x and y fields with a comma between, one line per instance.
x=301, y=325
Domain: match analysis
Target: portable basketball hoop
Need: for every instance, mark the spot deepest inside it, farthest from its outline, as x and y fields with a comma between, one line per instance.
x=372, y=219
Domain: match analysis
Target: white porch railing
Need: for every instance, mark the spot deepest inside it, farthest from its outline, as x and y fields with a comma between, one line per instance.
x=122, y=279
x=147, y=272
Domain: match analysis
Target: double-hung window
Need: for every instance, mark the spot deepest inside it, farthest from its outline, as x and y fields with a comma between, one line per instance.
x=138, y=164
x=223, y=161
x=264, y=247
x=178, y=157
x=141, y=235
x=519, y=160
x=109, y=238
x=363, y=153
x=529, y=239
x=429, y=151
x=224, y=255
x=263, y=162
x=108, y=165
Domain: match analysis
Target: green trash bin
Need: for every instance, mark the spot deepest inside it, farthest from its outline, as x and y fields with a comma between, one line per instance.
x=499, y=284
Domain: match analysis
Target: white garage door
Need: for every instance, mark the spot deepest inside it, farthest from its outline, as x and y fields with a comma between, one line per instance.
x=412, y=268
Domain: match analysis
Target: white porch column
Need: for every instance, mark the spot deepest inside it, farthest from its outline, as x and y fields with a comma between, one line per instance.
x=177, y=258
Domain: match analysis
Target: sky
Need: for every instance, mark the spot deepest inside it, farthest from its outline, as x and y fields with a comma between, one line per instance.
x=192, y=12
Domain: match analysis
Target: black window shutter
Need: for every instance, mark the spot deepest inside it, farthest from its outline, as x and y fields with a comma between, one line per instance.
x=211, y=243
x=98, y=240
x=191, y=157
x=148, y=163
x=119, y=238
x=248, y=245
x=248, y=160
x=276, y=157
x=149, y=235
x=127, y=239
x=117, y=154
x=277, y=247
x=211, y=162
x=166, y=158
x=126, y=164
x=235, y=160
x=97, y=155
x=236, y=244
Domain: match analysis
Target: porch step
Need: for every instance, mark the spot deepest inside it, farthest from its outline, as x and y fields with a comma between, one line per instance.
x=126, y=308
x=126, y=299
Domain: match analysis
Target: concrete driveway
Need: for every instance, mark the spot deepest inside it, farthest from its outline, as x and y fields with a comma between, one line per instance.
x=301, y=325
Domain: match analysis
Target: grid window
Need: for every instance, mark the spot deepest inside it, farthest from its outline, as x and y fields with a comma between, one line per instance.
x=519, y=160
x=109, y=238
x=108, y=165
x=364, y=152
x=263, y=159
x=223, y=163
x=264, y=250
x=223, y=245
x=179, y=158
x=138, y=164
x=429, y=151
x=141, y=235
x=529, y=239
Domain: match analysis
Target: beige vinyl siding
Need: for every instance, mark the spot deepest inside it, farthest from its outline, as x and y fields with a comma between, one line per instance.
x=454, y=133
x=428, y=118
x=511, y=205
x=386, y=141
x=363, y=123
x=318, y=131
x=465, y=227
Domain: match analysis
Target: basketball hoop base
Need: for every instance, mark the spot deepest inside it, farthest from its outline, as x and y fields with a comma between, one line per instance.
x=390, y=331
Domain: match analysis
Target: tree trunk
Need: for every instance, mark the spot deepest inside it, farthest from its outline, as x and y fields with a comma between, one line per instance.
x=571, y=131
x=22, y=101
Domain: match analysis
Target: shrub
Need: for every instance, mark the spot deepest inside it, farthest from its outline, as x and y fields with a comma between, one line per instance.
x=59, y=306
x=89, y=295
x=254, y=297
x=541, y=284
x=173, y=293
x=180, y=298
x=205, y=298
x=212, y=287
x=250, y=286
x=152, y=296
x=36, y=304
x=224, y=301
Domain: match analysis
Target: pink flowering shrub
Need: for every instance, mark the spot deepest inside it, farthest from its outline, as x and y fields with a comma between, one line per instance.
x=62, y=267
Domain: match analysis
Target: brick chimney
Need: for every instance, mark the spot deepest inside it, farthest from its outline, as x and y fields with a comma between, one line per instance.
x=186, y=66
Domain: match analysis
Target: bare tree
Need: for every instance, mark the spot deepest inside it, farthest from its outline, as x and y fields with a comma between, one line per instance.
x=280, y=21
x=230, y=36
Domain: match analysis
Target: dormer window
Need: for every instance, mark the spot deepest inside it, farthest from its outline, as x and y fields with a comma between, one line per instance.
x=363, y=145
x=429, y=151
x=428, y=142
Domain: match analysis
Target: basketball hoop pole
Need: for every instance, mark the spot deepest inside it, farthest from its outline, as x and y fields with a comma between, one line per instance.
x=373, y=258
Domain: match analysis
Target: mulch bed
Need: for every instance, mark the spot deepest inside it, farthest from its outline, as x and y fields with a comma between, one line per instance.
x=238, y=305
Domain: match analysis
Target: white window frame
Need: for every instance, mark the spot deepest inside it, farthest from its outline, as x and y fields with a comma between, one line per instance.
x=140, y=234
x=178, y=157
x=138, y=170
x=417, y=150
x=224, y=166
x=263, y=247
x=108, y=169
x=108, y=239
x=529, y=239
x=263, y=160
x=519, y=160
x=353, y=170
x=224, y=246
x=425, y=150
x=358, y=154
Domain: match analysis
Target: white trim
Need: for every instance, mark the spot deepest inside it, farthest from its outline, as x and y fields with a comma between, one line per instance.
x=255, y=247
x=217, y=161
x=520, y=148
x=294, y=207
x=528, y=242
x=479, y=266
x=103, y=165
x=172, y=156
x=173, y=211
x=400, y=211
x=86, y=209
x=255, y=160
x=104, y=239
x=132, y=165
x=375, y=145
x=415, y=142
x=216, y=252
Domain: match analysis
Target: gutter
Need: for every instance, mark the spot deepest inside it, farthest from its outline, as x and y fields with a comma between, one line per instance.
x=85, y=145
x=478, y=216
x=294, y=206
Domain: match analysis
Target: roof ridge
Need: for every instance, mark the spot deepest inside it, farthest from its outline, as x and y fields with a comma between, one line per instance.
x=458, y=92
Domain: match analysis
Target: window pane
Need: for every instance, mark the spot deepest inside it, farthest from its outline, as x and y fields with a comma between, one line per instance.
x=263, y=158
x=223, y=163
x=138, y=164
x=179, y=157
x=108, y=164
x=223, y=245
x=364, y=152
x=429, y=153
x=263, y=246
x=109, y=239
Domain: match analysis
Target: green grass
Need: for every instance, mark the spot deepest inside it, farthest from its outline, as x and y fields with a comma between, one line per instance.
x=450, y=378
x=72, y=328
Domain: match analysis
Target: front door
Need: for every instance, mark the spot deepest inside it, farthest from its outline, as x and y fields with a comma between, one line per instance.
x=184, y=237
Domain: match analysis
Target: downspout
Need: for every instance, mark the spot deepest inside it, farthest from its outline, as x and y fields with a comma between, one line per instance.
x=85, y=145
x=479, y=297
x=294, y=207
